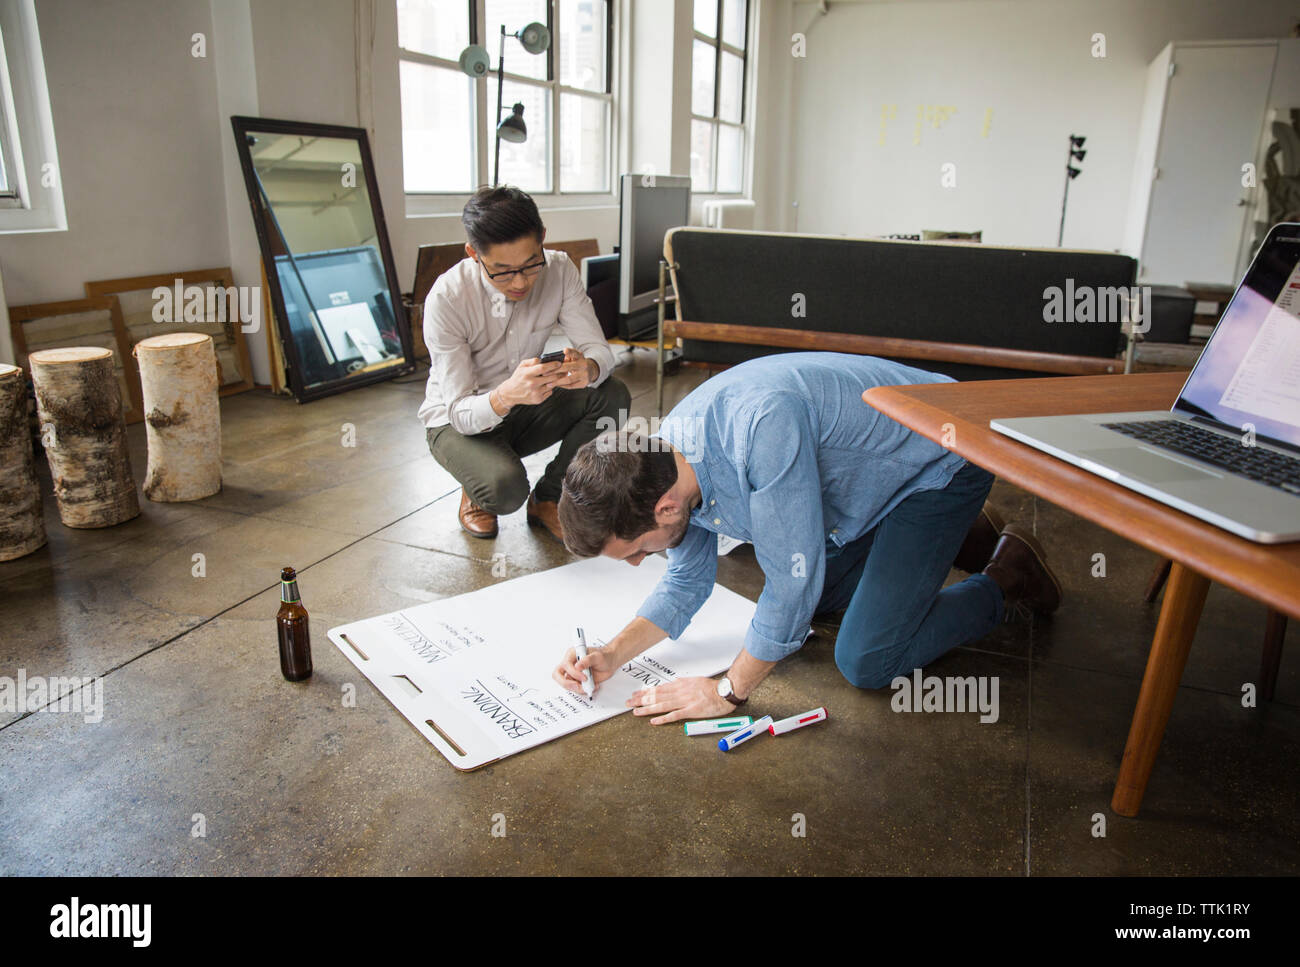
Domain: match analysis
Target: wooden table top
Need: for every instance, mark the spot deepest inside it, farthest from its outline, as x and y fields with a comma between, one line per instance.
x=1266, y=572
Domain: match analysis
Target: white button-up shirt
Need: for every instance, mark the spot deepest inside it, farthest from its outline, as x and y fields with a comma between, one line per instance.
x=477, y=336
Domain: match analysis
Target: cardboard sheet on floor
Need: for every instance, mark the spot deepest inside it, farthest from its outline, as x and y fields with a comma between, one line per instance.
x=473, y=673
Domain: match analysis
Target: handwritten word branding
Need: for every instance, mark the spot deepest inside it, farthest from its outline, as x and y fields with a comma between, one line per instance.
x=37, y=694
x=951, y=694
x=104, y=920
x=491, y=706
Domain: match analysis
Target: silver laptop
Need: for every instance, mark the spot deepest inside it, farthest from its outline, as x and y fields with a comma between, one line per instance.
x=1229, y=450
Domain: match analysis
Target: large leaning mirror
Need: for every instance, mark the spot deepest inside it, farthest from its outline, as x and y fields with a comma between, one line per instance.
x=326, y=253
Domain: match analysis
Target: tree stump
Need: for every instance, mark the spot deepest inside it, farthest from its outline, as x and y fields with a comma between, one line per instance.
x=79, y=405
x=22, y=526
x=182, y=416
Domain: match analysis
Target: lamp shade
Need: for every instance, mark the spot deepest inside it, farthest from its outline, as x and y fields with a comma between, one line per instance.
x=513, y=129
x=535, y=38
x=474, y=60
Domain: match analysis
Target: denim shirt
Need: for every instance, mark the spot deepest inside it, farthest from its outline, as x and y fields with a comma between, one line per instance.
x=790, y=458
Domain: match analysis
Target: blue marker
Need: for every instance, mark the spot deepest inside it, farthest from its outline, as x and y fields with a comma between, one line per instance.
x=744, y=735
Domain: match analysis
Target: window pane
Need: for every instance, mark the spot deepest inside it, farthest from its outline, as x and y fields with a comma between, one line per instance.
x=733, y=22
x=731, y=156
x=515, y=15
x=731, y=92
x=706, y=17
x=527, y=165
x=437, y=27
x=702, y=78
x=584, y=140
x=583, y=36
x=701, y=156
x=437, y=128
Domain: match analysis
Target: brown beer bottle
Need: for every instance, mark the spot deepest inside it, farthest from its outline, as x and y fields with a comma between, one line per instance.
x=291, y=623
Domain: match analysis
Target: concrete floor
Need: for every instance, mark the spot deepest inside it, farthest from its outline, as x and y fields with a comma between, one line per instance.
x=197, y=719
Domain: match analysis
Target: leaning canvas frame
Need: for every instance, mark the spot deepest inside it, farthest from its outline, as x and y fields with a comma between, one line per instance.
x=234, y=366
x=25, y=326
x=243, y=126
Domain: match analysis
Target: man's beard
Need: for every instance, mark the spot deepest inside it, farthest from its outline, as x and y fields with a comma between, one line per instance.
x=679, y=534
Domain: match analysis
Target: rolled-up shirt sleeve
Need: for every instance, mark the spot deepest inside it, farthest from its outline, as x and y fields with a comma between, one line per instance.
x=452, y=365
x=579, y=323
x=682, y=591
x=785, y=510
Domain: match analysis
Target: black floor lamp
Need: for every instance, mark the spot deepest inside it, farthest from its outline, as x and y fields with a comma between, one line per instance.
x=536, y=39
x=1076, y=153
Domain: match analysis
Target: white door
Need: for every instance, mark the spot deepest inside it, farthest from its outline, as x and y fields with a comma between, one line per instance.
x=1214, y=113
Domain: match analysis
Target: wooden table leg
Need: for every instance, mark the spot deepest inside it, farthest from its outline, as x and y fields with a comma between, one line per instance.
x=1184, y=599
x=1157, y=581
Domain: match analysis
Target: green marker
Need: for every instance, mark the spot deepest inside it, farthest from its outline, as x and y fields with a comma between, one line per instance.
x=714, y=726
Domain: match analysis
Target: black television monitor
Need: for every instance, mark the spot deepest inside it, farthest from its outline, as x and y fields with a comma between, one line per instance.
x=649, y=205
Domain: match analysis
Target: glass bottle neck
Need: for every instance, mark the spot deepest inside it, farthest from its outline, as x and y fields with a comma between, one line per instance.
x=289, y=591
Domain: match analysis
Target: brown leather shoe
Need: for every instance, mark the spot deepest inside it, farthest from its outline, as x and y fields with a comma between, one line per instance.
x=474, y=520
x=1019, y=566
x=546, y=513
x=981, y=541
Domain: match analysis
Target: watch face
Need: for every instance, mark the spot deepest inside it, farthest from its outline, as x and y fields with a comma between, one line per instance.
x=724, y=688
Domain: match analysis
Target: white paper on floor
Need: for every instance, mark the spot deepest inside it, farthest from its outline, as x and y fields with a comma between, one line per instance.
x=473, y=673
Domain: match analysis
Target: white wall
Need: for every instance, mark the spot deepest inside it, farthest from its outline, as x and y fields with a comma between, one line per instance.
x=135, y=116
x=1027, y=60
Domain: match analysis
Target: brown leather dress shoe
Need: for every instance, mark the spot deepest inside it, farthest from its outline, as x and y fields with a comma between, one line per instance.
x=1019, y=566
x=981, y=541
x=546, y=513
x=474, y=520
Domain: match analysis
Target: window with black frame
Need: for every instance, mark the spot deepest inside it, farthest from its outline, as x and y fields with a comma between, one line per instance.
x=448, y=122
x=719, y=62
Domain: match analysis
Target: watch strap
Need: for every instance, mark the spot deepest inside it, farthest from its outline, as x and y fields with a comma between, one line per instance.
x=730, y=696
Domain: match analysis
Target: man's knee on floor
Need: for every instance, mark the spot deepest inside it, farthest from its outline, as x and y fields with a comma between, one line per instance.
x=873, y=670
x=502, y=494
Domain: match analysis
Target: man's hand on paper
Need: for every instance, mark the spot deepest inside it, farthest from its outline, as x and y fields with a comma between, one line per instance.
x=684, y=698
x=599, y=659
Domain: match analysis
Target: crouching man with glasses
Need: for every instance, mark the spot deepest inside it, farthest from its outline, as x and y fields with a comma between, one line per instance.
x=489, y=400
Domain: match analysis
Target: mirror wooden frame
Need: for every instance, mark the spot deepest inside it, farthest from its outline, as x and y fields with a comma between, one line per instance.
x=244, y=126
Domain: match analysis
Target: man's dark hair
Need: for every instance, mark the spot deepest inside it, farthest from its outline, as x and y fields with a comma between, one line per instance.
x=611, y=488
x=496, y=215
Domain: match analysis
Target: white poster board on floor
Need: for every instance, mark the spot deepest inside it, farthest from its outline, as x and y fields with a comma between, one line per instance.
x=473, y=673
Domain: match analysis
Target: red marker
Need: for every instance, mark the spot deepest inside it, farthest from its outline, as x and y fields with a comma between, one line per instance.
x=799, y=721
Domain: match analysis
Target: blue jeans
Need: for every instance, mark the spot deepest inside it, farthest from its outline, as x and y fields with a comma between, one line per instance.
x=889, y=582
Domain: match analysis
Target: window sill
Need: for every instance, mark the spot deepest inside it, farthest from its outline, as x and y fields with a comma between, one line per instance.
x=18, y=221
x=442, y=206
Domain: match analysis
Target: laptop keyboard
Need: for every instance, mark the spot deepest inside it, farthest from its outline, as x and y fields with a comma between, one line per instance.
x=1256, y=463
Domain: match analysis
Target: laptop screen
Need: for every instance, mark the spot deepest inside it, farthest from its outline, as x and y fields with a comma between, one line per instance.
x=1249, y=373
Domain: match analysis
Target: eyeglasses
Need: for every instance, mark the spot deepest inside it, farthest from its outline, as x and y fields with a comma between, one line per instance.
x=528, y=271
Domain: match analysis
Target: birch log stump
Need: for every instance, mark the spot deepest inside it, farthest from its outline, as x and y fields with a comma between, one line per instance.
x=79, y=404
x=182, y=418
x=22, y=527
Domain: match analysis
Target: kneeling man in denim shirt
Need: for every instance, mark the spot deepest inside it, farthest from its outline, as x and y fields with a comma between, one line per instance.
x=846, y=509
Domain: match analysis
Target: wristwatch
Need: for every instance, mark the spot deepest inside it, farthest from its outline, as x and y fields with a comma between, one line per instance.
x=726, y=691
